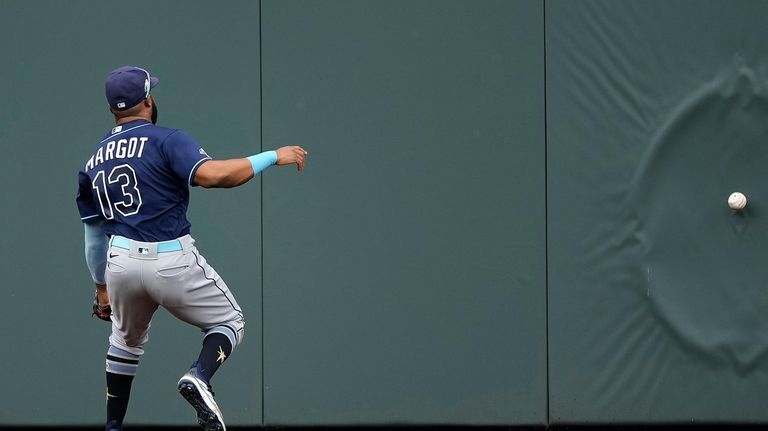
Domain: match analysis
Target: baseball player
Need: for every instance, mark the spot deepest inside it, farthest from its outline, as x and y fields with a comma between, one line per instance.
x=133, y=196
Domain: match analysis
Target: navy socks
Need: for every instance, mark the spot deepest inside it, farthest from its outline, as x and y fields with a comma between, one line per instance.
x=121, y=368
x=216, y=349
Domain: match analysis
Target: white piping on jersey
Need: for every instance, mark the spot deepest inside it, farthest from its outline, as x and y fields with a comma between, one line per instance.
x=189, y=179
x=126, y=130
x=89, y=217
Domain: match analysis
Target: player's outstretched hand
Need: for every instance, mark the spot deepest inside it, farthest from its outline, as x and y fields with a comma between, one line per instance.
x=290, y=155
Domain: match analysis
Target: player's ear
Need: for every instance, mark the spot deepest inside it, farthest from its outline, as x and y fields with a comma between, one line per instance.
x=148, y=102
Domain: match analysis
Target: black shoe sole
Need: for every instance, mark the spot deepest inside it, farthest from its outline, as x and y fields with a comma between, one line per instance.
x=205, y=417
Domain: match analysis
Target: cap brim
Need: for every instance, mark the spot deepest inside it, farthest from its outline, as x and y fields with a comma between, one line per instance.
x=153, y=82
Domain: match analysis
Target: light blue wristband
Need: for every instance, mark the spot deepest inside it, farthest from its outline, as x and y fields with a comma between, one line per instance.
x=262, y=161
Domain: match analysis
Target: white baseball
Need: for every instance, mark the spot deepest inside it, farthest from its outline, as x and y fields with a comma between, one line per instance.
x=737, y=200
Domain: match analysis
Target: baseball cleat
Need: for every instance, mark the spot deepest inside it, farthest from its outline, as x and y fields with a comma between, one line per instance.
x=199, y=394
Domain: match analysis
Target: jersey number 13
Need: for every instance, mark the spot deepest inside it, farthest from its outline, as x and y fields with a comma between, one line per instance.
x=129, y=200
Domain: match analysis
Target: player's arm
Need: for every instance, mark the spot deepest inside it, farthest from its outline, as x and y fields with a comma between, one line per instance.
x=235, y=172
x=96, y=244
x=95, y=239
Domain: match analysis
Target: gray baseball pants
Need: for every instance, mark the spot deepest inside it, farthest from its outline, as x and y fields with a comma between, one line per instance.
x=144, y=275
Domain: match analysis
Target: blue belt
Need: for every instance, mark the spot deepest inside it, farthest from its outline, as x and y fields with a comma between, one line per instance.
x=162, y=247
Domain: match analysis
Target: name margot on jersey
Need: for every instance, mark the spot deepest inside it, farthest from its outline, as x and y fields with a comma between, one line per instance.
x=118, y=149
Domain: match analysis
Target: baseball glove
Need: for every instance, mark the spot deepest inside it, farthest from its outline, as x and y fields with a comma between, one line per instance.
x=103, y=312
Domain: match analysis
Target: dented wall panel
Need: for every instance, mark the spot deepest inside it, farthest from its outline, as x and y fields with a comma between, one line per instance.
x=658, y=291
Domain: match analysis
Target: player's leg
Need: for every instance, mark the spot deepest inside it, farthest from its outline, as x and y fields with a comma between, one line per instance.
x=193, y=292
x=121, y=369
x=132, y=311
x=195, y=384
x=218, y=344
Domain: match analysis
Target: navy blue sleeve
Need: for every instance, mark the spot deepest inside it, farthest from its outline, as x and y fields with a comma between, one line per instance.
x=85, y=202
x=184, y=155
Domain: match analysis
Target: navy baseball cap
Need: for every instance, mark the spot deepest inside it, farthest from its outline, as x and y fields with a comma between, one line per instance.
x=127, y=86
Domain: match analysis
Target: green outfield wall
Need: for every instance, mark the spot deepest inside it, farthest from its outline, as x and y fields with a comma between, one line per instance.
x=513, y=212
x=658, y=293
